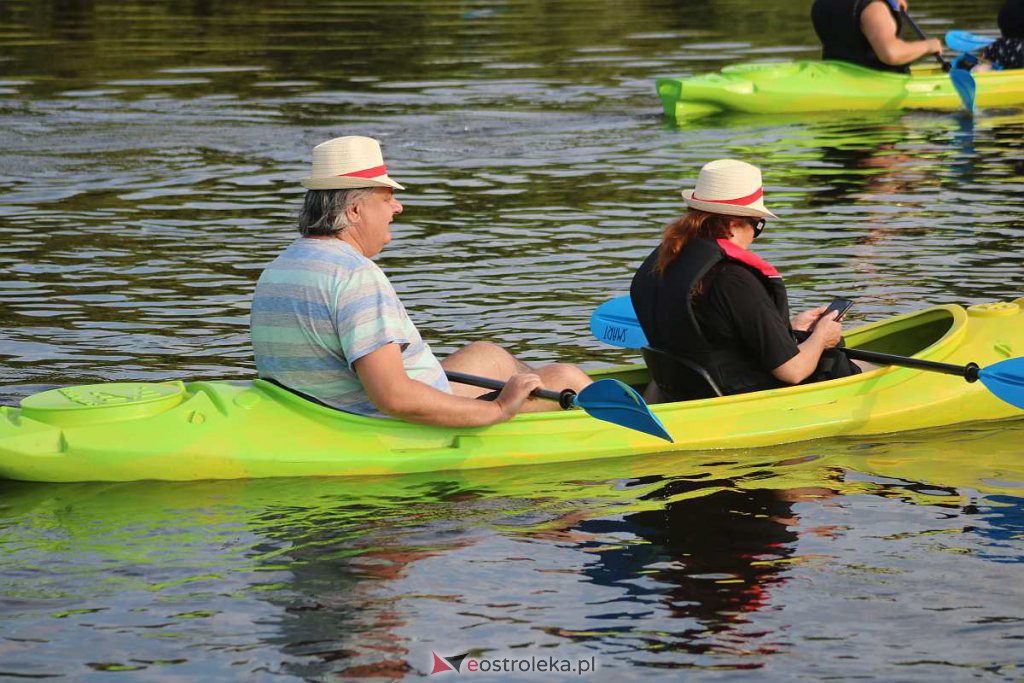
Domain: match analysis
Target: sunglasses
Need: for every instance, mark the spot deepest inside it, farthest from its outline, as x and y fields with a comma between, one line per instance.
x=758, y=226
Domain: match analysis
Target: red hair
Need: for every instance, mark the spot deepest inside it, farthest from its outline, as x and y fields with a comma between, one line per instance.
x=693, y=223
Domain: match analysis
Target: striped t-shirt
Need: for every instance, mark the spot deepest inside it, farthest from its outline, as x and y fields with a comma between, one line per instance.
x=320, y=307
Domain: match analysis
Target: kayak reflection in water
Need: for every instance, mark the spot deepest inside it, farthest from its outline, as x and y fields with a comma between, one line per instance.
x=327, y=323
x=714, y=558
x=706, y=302
x=867, y=32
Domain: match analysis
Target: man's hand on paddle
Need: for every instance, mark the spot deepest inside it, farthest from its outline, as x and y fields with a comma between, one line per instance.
x=516, y=392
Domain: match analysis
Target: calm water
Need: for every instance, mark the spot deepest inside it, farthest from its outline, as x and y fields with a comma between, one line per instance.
x=149, y=166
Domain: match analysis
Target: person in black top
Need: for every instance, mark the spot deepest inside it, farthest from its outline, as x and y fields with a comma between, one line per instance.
x=701, y=296
x=1007, y=52
x=867, y=32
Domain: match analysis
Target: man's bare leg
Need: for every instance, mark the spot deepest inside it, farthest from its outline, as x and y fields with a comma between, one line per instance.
x=490, y=360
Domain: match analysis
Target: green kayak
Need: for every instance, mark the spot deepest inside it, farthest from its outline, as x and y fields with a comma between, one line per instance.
x=233, y=430
x=797, y=87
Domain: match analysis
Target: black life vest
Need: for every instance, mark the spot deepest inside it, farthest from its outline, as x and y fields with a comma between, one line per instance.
x=664, y=309
x=837, y=23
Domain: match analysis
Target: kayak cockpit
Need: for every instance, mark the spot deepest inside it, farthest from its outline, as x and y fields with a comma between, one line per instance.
x=909, y=335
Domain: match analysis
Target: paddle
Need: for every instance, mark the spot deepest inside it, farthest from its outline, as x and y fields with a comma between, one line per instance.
x=614, y=322
x=963, y=81
x=606, y=399
x=965, y=41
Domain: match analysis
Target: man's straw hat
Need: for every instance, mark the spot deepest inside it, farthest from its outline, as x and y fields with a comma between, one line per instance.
x=348, y=162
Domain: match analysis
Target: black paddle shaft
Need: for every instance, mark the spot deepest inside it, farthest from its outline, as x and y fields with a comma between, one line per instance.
x=920, y=34
x=969, y=372
x=564, y=398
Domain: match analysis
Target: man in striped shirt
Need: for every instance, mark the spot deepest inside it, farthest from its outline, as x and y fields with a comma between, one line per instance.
x=326, y=322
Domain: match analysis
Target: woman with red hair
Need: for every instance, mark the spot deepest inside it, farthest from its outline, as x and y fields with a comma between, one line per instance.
x=701, y=296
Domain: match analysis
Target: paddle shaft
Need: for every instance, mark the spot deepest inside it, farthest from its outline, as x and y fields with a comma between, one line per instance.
x=564, y=398
x=607, y=399
x=969, y=372
x=920, y=34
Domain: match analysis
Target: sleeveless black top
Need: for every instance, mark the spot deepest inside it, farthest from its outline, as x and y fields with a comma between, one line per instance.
x=837, y=23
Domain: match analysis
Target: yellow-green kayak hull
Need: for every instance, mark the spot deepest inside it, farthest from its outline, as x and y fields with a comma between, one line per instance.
x=806, y=86
x=226, y=430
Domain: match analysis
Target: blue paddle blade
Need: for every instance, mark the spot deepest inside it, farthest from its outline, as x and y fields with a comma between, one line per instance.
x=965, y=41
x=965, y=87
x=616, y=402
x=614, y=322
x=1005, y=379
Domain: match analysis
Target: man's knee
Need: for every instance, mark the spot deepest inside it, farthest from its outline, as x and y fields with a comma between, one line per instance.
x=483, y=348
x=489, y=356
x=483, y=358
x=563, y=375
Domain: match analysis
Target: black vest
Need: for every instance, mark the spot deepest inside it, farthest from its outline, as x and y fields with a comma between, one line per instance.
x=664, y=309
x=837, y=23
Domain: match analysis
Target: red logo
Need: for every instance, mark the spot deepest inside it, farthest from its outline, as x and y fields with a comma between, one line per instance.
x=441, y=664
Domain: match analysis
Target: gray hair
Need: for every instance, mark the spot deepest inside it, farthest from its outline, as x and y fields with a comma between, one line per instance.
x=323, y=211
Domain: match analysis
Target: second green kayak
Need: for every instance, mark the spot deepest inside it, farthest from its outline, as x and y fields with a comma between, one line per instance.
x=806, y=86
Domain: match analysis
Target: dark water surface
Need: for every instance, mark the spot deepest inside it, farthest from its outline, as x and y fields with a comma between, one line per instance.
x=149, y=157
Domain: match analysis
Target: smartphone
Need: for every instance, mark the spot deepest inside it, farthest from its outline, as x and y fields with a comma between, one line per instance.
x=840, y=304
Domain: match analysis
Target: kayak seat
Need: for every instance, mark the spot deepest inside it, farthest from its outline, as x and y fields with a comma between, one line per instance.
x=679, y=379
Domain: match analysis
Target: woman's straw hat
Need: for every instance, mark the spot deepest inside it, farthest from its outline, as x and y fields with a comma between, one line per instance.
x=348, y=162
x=729, y=187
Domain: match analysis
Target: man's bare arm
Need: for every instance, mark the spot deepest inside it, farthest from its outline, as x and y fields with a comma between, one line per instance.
x=394, y=393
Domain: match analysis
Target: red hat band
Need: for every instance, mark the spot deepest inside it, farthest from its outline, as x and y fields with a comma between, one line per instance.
x=742, y=201
x=367, y=173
